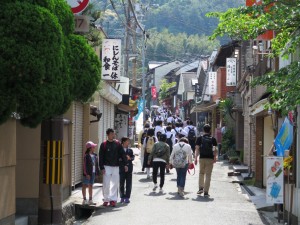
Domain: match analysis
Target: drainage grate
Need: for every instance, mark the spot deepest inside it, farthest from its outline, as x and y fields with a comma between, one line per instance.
x=245, y=187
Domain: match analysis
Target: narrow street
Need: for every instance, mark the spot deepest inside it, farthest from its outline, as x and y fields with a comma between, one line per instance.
x=226, y=204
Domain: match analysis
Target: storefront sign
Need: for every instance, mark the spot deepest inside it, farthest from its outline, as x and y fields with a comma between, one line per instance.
x=230, y=72
x=274, y=190
x=111, y=58
x=212, y=83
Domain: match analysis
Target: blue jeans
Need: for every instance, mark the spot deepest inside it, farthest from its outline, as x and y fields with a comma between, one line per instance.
x=181, y=176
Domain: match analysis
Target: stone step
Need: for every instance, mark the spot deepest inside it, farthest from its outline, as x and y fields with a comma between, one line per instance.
x=234, y=173
x=240, y=168
x=21, y=220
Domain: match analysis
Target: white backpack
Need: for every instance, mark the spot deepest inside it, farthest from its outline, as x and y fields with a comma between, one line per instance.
x=179, y=158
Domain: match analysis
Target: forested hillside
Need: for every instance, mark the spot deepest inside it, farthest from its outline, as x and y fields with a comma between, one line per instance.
x=178, y=29
x=187, y=16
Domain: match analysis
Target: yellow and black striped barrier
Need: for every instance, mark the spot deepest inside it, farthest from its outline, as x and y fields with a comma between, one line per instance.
x=53, y=160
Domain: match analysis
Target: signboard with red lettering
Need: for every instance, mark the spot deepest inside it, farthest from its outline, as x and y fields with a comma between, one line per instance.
x=78, y=6
x=111, y=57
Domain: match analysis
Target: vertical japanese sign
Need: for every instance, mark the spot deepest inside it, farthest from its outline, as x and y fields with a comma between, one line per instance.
x=230, y=72
x=212, y=83
x=153, y=92
x=197, y=90
x=284, y=138
x=111, y=57
x=274, y=190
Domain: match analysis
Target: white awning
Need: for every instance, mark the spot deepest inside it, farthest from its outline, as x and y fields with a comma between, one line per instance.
x=258, y=107
x=110, y=94
x=204, y=107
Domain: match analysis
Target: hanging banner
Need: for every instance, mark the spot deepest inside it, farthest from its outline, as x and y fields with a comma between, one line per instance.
x=230, y=72
x=111, y=57
x=140, y=108
x=212, y=83
x=274, y=190
x=153, y=92
x=284, y=138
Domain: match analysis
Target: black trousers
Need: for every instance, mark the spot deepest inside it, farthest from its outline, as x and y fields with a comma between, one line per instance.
x=125, y=183
x=162, y=167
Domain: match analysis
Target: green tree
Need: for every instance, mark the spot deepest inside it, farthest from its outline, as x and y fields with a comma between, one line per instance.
x=164, y=88
x=283, y=17
x=39, y=61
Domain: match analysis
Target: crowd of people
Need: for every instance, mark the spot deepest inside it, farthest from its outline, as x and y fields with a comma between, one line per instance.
x=166, y=142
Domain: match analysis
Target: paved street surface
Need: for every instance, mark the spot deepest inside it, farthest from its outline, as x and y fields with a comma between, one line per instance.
x=226, y=204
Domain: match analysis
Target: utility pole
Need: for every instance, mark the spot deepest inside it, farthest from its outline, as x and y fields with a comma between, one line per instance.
x=126, y=40
x=143, y=73
x=51, y=164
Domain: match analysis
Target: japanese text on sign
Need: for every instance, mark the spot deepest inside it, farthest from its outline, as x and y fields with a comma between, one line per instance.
x=231, y=72
x=212, y=83
x=111, y=56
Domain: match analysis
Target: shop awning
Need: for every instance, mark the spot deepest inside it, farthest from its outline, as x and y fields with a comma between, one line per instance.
x=204, y=107
x=126, y=108
x=258, y=107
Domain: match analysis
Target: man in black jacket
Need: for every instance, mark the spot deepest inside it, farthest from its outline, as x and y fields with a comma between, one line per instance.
x=111, y=156
x=126, y=177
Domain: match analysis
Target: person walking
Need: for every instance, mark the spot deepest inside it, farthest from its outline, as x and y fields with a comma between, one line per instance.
x=126, y=177
x=111, y=156
x=149, y=142
x=90, y=170
x=191, y=134
x=180, y=159
x=141, y=138
x=207, y=152
x=161, y=156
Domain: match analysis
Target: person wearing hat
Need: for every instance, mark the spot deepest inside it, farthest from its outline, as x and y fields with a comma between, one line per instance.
x=160, y=154
x=90, y=170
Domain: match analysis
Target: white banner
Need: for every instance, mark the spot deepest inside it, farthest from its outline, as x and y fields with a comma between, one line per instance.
x=111, y=59
x=274, y=191
x=212, y=83
x=230, y=71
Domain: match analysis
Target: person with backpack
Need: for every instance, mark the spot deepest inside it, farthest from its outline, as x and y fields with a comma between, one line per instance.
x=111, y=156
x=90, y=170
x=170, y=141
x=160, y=155
x=159, y=129
x=207, y=152
x=126, y=176
x=178, y=131
x=180, y=159
x=141, y=138
x=148, y=144
x=191, y=134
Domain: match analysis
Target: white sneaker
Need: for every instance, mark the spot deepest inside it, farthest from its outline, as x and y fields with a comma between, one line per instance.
x=90, y=202
x=161, y=190
x=85, y=202
x=155, y=187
